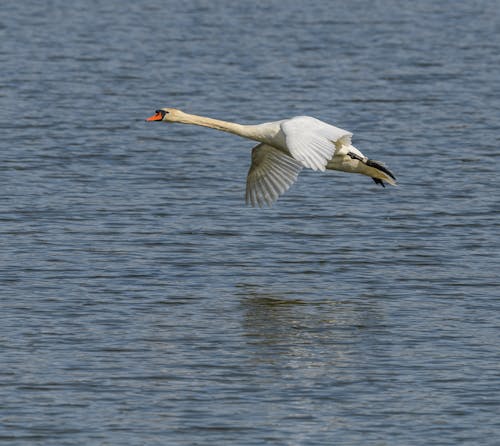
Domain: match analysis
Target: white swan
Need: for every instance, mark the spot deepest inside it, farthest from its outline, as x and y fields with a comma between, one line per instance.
x=285, y=148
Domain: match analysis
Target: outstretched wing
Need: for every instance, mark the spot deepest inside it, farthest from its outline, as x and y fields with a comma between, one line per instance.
x=311, y=141
x=270, y=175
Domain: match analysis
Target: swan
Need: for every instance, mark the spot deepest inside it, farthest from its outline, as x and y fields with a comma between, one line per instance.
x=285, y=148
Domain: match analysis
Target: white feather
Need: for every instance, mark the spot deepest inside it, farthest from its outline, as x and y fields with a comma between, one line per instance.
x=271, y=174
x=311, y=141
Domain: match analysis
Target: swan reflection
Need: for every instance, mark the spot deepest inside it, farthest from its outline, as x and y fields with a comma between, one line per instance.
x=282, y=328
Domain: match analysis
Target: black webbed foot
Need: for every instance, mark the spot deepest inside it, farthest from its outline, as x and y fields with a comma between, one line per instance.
x=378, y=181
x=380, y=166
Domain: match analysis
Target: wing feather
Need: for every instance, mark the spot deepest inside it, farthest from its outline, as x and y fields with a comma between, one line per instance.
x=271, y=174
x=311, y=141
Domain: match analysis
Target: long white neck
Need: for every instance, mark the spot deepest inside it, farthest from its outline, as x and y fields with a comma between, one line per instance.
x=246, y=131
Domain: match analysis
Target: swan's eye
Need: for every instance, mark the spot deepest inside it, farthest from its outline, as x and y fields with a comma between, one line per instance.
x=161, y=112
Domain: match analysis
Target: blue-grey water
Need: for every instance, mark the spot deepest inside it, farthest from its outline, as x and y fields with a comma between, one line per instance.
x=142, y=303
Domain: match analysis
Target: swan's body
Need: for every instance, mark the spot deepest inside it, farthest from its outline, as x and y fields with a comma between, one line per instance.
x=286, y=147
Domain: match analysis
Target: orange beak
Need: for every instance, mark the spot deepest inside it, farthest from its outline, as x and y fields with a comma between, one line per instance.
x=157, y=117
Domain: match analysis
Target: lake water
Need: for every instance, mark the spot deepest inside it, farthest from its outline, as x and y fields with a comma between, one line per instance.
x=143, y=304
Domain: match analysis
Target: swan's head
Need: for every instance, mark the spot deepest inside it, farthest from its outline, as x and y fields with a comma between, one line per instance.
x=166, y=114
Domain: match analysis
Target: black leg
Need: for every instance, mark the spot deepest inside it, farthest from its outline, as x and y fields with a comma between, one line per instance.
x=354, y=156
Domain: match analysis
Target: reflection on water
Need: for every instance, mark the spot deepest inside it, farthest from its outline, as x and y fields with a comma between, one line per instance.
x=366, y=315
x=304, y=334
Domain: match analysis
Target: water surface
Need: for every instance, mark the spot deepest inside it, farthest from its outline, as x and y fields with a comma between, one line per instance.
x=143, y=303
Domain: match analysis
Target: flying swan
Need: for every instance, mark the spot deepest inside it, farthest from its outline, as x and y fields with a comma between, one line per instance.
x=284, y=148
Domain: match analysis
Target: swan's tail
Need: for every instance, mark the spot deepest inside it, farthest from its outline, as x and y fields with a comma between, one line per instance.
x=355, y=162
x=379, y=173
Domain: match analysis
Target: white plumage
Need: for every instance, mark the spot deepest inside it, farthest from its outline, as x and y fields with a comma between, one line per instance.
x=286, y=147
